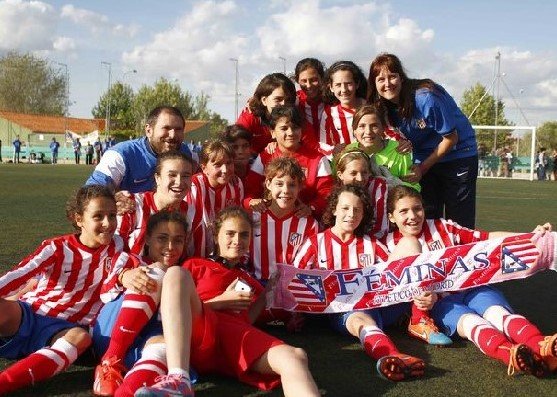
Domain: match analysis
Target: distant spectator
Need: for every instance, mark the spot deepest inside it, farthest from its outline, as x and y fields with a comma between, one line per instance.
x=0, y=150
x=111, y=141
x=554, y=155
x=77, y=150
x=509, y=158
x=98, y=149
x=54, y=146
x=541, y=163
x=17, y=149
x=89, y=150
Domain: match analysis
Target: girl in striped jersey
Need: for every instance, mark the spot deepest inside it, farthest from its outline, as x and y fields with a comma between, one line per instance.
x=278, y=232
x=345, y=90
x=310, y=74
x=353, y=167
x=347, y=245
x=481, y=315
x=173, y=174
x=213, y=189
x=46, y=327
x=129, y=330
x=286, y=124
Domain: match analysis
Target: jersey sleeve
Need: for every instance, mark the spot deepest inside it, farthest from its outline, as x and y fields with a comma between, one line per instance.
x=324, y=186
x=463, y=235
x=44, y=257
x=110, y=171
x=254, y=181
x=437, y=109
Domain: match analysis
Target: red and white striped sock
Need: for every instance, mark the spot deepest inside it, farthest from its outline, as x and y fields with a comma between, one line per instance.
x=145, y=370
x=38, y=366
x=376, y=343
x=487, y=338
x=137, y=310
x=520, y=330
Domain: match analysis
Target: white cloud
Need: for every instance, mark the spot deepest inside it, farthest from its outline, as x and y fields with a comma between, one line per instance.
x=64, y=44
x=27, y=26
x=97, y=24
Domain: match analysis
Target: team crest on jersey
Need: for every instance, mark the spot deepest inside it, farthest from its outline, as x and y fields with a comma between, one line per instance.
x=366, y=260
x=435, y=245
x=421, y=124
x=295, y=239
x=107, y=264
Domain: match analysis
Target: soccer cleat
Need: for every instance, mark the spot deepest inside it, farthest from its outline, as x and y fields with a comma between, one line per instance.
x=398, y=367
x=427, y=331
x=108, y=377
x=167, y=386
x=524, y=359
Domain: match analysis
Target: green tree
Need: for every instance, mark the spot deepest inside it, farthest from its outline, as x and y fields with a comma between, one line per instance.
x=546, y=136
x=479, y=106
x=29, y=84
x=121, y=99
x=164, y=92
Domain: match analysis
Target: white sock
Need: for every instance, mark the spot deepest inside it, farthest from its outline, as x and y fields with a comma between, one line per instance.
x=369, y=330
x=179, y=371
x=495, y=314
x=69, y=350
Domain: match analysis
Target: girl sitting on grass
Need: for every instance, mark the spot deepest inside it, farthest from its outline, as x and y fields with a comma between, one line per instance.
x=481, y=315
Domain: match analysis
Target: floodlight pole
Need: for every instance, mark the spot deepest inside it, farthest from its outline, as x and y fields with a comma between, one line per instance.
x=498, y=62
x=236, y=93
x=283, y=59
x=107, y=127
x=67, y=104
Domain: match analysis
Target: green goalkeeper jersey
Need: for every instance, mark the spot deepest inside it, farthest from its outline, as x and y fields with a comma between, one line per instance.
x=398, y=164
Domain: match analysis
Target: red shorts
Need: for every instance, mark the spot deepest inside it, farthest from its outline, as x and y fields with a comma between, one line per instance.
x=225, y=344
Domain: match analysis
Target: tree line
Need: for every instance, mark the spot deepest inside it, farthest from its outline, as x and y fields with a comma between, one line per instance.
x=30, y=84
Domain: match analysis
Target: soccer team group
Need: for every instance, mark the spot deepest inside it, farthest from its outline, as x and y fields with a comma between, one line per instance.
x=174, y=253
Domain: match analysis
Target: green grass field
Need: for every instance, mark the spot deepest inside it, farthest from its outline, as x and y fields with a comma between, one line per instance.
x=32, y=201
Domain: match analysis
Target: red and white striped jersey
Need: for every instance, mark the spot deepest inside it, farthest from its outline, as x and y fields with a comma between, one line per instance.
x=132, y=226
x=204, y=203
x=377, y=189
x=277, y=240
x=326, y=251
x=312, y=111
x=440, y=233
x=336, y=125
x=318, y=184
x=70, y=276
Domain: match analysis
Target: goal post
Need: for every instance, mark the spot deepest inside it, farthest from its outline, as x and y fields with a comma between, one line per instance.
x=497, y=151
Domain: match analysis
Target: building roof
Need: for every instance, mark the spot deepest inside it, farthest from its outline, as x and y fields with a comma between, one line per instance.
x=53, y=124
x=59, y=124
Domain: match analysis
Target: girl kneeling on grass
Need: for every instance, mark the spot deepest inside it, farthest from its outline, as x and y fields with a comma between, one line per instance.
x=47, y=327
x=481, y=315
x=346, y=245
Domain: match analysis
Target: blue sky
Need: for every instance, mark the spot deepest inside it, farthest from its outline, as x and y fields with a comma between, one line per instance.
x=452, y=42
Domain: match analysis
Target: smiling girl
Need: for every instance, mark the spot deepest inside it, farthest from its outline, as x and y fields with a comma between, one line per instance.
x=213, y=189
x=47, y=327
x=310, y=74
x=481, y=315
x=173, y=174
x=345, y=90
x=346, y=244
